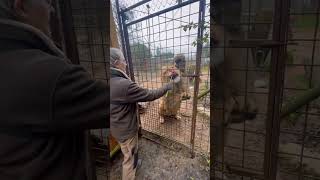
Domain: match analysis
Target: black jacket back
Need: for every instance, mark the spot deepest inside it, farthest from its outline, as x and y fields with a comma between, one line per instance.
x=46, y=105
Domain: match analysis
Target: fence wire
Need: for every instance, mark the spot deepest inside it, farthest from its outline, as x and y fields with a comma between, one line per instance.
x=154, y=42
x=243, y=61
x=90, y=25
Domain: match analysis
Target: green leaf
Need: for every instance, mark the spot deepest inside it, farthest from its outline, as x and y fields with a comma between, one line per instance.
x=185, y=28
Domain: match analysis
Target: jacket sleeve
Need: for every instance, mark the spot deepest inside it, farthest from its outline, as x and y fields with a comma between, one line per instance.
x=135, y=93
x=79, y=102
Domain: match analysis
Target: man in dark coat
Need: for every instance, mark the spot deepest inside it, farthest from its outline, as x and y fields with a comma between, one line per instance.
x=46, y=103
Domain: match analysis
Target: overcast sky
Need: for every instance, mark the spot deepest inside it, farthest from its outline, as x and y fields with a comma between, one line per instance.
x=164, y=31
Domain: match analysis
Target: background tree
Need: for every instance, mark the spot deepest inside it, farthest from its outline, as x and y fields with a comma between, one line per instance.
x=140, y=51
x=206, y=50
x=164, y=55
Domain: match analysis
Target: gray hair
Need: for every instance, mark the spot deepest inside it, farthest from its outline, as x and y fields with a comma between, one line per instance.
x=6, y=9
x=115, y=55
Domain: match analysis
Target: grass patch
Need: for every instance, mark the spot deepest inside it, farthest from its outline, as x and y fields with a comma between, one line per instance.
x=305, y=22
x=205, y=69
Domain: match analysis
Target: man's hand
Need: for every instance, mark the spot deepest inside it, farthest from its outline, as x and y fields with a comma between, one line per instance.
x=174, y=81
x=170, y=86
x=177, y=79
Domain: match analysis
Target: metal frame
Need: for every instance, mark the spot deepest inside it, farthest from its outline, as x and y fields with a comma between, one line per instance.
x=69, y=30
x=281, y=23
x=133, y=6
x=307, y=113
x=163, y=11
x=123, y=30
x=69, y=35
x=197, y=74
x=279, y=93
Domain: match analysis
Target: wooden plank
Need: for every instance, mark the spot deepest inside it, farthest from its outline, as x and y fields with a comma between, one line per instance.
x=113, y=31
x=113, y=144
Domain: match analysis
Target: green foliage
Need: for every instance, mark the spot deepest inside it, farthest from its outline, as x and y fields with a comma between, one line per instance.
x=158, y=52
x=206, y=50
x=305, y=21
x=167, y=55
x=164, y=55
x=140, y=51
x=205, y=26
x=205, y=69
x=203, y=93
x=293, y=119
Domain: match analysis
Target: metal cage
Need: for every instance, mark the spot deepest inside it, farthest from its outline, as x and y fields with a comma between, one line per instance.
x=264, y=55
x=152, y=35
x=80, y=28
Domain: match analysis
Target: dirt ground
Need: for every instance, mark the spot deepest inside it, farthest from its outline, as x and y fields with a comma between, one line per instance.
x=160, y=162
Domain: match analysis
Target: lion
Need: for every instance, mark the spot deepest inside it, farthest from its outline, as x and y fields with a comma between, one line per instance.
x=171, y=102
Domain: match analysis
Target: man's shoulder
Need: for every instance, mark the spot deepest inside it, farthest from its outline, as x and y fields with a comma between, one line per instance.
x=33, y=58
x=33, y=65
x=119, y=88
x=39, y=57
x=120, y=81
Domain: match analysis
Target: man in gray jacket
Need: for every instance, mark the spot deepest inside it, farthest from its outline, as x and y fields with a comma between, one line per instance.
x=125, y=95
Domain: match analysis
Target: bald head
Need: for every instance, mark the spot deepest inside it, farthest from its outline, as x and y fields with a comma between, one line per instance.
x=33, y=12
x=115, y=55
x=117, y=59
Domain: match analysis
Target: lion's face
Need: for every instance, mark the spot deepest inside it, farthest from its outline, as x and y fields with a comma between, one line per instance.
x=170, y=73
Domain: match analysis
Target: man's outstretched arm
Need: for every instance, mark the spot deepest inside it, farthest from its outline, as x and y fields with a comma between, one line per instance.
x=136, y=93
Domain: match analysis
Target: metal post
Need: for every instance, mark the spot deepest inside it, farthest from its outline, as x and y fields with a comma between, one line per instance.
x=280, y=30
x=69, y=35
x=149, y=35
x=202, y=5
x=55, y=26
x=129, y=58
x=121, y=23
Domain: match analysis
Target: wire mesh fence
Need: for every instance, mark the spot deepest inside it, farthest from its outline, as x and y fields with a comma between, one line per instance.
x=264, y=54
x=240, y=87
x=154, y=34
x=91, y=29
x=116, y=21
x=298, y=152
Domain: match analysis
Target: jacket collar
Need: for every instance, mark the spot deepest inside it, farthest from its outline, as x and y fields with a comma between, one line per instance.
x=20, y=34
x=118, y=73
